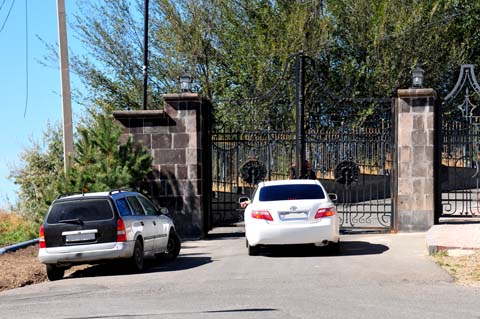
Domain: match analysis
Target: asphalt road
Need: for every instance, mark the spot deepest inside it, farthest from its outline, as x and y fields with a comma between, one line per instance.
x=376, y=276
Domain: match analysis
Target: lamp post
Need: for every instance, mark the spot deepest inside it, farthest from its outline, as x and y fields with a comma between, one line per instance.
x=185, y=83
x=417, y=77
x=299, y=113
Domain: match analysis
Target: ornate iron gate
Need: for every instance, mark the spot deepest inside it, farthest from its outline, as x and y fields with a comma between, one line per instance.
x=349, y=150
x=458, y=156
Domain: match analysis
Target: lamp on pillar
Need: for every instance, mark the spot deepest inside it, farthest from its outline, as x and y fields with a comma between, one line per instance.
x=185, y=83
x=417, y=77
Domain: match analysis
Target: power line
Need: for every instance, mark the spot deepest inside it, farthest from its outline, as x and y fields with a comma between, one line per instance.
x=8, y=14
x=1, y=5
x=26, y=59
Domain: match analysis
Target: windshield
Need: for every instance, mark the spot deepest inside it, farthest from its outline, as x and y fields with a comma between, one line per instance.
x=82, y=210
x=291, y=192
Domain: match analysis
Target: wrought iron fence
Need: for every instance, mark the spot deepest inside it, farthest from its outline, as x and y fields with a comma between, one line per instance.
x=459, y=194
x=354, y=164
x=347, y=140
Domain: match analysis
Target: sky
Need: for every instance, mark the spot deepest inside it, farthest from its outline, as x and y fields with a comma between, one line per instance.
x=18, y=127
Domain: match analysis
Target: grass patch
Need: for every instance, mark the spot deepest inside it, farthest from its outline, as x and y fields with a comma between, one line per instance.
x=465, y=269
x=15, y=229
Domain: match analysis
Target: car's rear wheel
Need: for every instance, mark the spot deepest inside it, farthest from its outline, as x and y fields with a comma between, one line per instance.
x=333, y=247
x=137, y=260
x=252, y=250
x=173, y=246
x=54, y=272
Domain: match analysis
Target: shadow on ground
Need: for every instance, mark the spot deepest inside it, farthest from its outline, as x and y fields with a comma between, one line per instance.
x=226, y=235
x=347, y=248
x=183, y=262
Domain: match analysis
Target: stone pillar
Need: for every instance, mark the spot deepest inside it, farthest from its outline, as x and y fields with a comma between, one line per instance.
x=414, y=136
x=178, y=140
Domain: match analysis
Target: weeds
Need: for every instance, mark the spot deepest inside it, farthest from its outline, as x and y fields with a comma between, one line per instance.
x=15, y=229
x=465, y=269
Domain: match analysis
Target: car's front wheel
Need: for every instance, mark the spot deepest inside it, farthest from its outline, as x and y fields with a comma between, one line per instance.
x=54, y=272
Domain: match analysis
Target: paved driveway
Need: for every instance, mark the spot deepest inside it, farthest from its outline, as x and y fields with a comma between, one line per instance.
x=376, y=276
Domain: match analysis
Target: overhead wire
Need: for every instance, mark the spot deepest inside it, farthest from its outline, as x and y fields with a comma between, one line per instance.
x=8, y=15
x=1, y=5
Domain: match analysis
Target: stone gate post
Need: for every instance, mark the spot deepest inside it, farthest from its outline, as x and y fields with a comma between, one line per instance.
x=177, y=138
x=414, y=137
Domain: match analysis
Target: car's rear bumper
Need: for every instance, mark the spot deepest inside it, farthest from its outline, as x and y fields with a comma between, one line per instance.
x=86, y=253
x=287, y=233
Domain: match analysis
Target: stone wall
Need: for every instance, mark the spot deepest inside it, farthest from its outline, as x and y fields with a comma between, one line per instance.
x=415, y=159
x=177, y=138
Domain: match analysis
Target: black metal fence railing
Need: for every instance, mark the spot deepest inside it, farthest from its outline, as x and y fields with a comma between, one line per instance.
x=459, y=150
x=355, y=164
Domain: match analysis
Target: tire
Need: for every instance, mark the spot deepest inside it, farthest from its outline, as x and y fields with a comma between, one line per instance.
x=252, y=250
x=54, y=272
x=137, y=260
x=173, y=246
x=334, y=248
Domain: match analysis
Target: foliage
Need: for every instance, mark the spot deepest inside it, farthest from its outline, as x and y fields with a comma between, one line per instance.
x=100, y=164
x=15, y=229
x=41, y=176
x=238, y=49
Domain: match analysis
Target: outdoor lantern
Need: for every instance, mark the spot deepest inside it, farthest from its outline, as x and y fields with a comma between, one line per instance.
x=417, y=77
x=185, y=83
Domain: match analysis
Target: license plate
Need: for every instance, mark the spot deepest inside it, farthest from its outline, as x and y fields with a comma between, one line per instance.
x=80, y=237
x=293, y=216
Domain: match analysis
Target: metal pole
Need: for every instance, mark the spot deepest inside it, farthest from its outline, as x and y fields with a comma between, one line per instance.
x=65, y=84
x=299, y=112
x=145, y=55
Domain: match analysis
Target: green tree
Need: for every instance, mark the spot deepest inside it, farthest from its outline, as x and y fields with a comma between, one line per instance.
x=237, y=50
x=40, y=175
x=100, y=164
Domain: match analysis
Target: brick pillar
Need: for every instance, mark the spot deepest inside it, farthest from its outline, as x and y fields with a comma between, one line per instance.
x=178, y=140
x=414, y=116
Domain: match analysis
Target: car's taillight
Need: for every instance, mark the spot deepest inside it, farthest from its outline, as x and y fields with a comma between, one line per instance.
x=262, y=214
x=325, y=212
x=121, y=231
x=41, y=237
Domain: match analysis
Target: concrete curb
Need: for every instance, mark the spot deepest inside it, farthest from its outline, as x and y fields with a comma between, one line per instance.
x=448, y=236
x=15, y=247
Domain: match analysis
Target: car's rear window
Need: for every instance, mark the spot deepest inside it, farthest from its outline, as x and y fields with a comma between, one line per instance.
x=291, y=192
x=83, y=210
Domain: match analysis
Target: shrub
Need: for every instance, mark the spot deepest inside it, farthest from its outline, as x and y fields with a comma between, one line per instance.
x=14, y=229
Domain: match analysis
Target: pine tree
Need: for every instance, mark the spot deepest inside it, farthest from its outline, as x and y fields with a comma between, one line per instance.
x=100, y=164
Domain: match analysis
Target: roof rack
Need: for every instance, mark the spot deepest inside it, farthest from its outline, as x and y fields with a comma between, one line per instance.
x=117, y=190
x=69, y=194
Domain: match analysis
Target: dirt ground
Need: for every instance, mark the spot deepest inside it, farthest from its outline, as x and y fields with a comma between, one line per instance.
x=22, y=268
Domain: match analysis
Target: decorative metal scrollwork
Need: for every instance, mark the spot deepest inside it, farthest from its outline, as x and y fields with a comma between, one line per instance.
x=253, y=171
x=346, y=172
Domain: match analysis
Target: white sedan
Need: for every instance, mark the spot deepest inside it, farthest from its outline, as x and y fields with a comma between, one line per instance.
x=290, y=212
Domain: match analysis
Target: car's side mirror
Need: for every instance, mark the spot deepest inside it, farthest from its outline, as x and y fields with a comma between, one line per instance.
x=333, y=197
x=164, y=211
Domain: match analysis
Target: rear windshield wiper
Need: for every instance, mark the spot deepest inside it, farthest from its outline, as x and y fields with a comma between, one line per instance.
x=71, y=221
